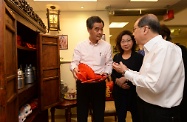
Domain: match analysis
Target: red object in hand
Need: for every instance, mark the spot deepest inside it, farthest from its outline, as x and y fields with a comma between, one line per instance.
x=86, y=74
x=83, y=68
x=82, y=76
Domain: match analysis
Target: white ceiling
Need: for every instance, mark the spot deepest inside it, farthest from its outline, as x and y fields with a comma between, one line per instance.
x=100, y=5
x=109, y=5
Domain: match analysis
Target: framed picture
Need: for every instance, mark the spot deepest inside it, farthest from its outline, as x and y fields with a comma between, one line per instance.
x=103, y=37
x=115, y=50
x=63, y=42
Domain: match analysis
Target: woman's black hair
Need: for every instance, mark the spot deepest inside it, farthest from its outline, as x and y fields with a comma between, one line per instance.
x=119, y=37
x=165, y=32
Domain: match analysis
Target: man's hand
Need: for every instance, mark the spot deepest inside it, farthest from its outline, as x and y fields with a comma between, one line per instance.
x=121, y=82
x=75, y=71
x=105, y=76
x=119, y=67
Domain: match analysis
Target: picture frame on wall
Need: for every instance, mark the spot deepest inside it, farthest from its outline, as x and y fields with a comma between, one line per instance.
x=63, y=42
x=115, y=50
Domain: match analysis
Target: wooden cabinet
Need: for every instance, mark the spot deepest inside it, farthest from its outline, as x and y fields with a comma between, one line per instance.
x=45, y=57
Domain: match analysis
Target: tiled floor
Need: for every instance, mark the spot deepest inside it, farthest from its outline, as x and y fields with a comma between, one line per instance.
x=59, y=117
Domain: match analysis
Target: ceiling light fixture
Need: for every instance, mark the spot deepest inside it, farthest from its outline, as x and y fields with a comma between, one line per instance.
x=118, y=24
x=144, y=0
x=175, y=32
x=68, y=0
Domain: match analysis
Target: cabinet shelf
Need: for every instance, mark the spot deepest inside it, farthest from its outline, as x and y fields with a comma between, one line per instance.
x=25, y=88
x=27, y=93
x=44, y=57
x=32, y=116
x=25, y=48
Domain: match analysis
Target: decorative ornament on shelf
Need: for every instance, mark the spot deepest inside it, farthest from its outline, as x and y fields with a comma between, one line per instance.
x=23, y=5
x=53, y=19
x=63, y=89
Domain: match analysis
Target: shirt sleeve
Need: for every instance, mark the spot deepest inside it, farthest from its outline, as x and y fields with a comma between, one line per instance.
x=108, y=68
x=76, y=59
x=157, y=70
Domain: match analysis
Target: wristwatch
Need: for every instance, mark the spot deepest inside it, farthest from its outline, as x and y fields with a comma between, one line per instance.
x=125, y=71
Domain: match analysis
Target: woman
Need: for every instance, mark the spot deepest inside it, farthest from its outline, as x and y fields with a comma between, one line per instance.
x=125, y=94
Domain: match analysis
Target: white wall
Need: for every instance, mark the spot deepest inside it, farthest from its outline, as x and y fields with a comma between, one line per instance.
x=180, y=22
x=179, y=19
x=73, y=24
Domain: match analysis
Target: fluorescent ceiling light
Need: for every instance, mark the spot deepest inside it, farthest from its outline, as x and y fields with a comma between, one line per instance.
x=118, y=24
x=144, y=0
x=68, y=0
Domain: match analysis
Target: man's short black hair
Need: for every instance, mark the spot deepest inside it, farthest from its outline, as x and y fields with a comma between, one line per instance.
x=93, y=19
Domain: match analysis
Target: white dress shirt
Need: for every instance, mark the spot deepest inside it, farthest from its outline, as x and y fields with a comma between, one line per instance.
x=161, y=77
x=97, y=56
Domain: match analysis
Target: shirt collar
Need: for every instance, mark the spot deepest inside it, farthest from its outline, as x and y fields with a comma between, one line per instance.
x=148, y=46
x=94, y=44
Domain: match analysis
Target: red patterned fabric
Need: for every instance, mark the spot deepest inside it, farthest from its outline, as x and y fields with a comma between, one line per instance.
x=87, y=75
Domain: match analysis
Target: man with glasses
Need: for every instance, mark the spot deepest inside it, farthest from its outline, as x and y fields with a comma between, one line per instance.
x=160, y=81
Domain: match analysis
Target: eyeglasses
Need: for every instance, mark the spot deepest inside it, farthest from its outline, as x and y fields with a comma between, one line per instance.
x=134, y=29
x=126, y=41
x=140, y=27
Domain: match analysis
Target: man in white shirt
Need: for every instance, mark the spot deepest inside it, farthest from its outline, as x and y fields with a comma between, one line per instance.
x=96, y=53
x=160, y=81
x=166, y=34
